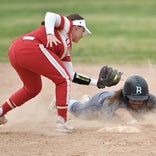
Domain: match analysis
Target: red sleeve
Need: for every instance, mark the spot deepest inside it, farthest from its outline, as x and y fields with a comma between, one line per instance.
x=67, y=58
x=61, y=26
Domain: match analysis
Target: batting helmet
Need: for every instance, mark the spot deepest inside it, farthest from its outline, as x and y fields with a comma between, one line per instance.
x=136, y=88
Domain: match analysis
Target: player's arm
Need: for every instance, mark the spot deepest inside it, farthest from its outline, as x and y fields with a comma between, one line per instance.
x=84, y=80
x=77, y=77
x=107, y=76
x=52, y=20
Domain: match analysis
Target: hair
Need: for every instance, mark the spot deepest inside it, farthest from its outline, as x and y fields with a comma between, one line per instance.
x=43, y=23
x=70, y=17
x=116, y=98
x=75, y=17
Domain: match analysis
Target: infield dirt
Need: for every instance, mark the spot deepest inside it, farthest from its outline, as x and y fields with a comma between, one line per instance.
x=31, y=128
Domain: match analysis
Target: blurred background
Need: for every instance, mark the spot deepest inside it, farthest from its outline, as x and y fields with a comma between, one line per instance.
x=123, y=31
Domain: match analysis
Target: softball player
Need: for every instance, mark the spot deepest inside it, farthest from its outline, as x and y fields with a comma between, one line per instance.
x=46, y=51
x=134, y=98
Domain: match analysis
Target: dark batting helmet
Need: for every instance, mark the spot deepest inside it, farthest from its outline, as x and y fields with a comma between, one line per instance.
x=136, y=88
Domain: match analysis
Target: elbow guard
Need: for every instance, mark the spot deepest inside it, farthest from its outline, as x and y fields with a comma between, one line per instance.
x=81, y=79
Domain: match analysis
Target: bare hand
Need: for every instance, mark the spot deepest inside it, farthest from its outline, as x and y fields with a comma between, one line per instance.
x=52, y=39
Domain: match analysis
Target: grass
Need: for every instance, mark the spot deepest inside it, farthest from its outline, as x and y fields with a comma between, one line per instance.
x=123, y=31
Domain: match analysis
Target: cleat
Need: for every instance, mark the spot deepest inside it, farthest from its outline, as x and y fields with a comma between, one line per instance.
x=3, y=120
x=62, y=126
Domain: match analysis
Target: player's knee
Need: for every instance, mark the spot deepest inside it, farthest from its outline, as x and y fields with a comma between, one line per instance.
x=33, y=91
x=63, y=81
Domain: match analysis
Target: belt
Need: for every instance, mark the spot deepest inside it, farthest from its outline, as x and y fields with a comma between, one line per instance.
x=28, y=38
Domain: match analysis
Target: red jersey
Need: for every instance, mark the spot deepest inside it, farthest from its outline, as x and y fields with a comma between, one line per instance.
x=63, y=33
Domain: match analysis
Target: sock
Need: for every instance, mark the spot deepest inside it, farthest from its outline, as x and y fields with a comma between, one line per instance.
x=5, y=108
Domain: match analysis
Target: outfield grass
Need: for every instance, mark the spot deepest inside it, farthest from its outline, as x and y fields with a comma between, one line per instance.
x=123, y=31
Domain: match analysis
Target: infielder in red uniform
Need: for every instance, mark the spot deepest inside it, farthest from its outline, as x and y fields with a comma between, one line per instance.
x=46, y=51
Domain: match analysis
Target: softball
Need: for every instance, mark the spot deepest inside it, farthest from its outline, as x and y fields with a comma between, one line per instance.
x=116, y=77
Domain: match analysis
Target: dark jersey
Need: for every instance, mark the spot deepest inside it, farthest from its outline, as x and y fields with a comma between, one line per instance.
x=99, y=106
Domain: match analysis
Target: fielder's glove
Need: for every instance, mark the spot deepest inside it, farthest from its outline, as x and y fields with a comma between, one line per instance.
x=108, y=77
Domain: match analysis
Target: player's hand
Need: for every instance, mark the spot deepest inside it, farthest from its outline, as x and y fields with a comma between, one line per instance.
x=52, y=39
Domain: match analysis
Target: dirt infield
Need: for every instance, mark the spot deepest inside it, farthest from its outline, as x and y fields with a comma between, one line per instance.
x=30, y=130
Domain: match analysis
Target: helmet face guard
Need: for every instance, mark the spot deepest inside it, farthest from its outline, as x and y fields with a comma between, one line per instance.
x=136, y=88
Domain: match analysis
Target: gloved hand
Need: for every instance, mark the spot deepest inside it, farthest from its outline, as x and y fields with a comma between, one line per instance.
x=108, y=77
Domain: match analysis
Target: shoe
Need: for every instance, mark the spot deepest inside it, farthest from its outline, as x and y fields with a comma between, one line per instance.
x=3, y=120
x=63, y=126
x=85, y=98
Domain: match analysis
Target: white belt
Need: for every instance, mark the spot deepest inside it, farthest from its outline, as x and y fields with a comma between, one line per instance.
x=28, y=38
